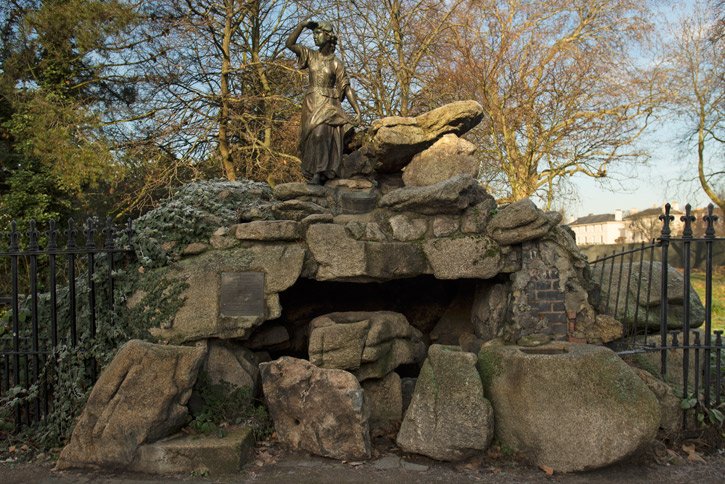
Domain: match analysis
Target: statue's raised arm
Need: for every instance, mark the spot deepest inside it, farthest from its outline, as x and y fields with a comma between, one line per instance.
x=323, y=122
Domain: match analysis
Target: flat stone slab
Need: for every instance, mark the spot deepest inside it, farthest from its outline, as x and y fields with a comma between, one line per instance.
x=196, y=453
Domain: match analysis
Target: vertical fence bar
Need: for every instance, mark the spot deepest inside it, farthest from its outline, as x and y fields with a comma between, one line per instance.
x=109, y=245
x=90, y=233
x=718, y=366
x=639, y=293
x=619, y=286
x=696, y=383
x=52, y=234
x=14, y=248
x=709, y=237
x=71, y=233
x=33, y=248
x=686, y=242
x=649, y=289
x=665, y=242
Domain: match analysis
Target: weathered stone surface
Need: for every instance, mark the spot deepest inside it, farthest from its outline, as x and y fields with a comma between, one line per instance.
x=395, y=140
x=474, y=219
x=196, y=454
x=448, y=157
x=350, y=183
x=468, y=256
x=274, y=336
x=268, y=230
x=222, y=242
x=358, y=163
x=406, y=229
x=533, y=340
x=374, y=233
x=232, y=363
x=281, y=264
x=125, y=410
x=445, y=226
x=670, y=409
x=455, y=321
x=195, y=248
x=385, y=400
x=521, y=221
x=408, y=388
x=490, y=306
x=395, y=260
x=338, y=255
x=446, y=198
x=303, y=191
x=200, y=316
x=569, y=407
x=675, y=358
x=296, y=210
x=448, y=418
x=370, y=344
x=318, y=410
x=647, y=311
x=604, y=330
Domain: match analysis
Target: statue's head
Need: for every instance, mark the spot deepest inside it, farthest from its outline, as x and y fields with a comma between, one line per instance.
x=324, y=33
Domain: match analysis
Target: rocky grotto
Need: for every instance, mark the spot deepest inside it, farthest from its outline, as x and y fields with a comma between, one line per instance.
x=398, y=298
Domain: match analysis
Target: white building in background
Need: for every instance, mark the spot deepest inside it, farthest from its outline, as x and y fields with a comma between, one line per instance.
x=617, y=228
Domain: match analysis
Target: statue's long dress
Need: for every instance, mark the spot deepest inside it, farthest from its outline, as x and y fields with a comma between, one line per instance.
x=322, y=124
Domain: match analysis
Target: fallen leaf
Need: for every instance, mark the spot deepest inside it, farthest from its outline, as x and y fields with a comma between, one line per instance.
x=355, y=464
x=496, y=471
x=11, y=449
x=24, y=448
x=549, y=471
x=692, y=455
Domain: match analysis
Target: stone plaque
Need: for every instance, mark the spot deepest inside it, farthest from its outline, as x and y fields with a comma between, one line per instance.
x=242, y=294
x=358, y=202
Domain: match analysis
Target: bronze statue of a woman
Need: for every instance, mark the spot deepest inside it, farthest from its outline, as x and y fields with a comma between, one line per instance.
x=323, y=121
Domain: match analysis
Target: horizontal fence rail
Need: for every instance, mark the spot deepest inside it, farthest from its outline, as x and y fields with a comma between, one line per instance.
x=640, y=289
x=43, y=290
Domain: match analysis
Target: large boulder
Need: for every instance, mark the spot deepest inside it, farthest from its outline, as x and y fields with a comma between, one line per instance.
x=448, y=157
x=139, y=398
x=448, y=418
x=521, y=221
x=232, y=363
x=201, y=316
x=466, y=256
x=450, y=196
x=317, y=410
x=370, y=344
x=395, y=140
x=632, y=280
x=570, y=407
x=490, y=308
x=385, y=400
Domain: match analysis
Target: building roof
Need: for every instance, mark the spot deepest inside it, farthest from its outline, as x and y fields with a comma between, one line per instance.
x=594, y=219
x=653, y=212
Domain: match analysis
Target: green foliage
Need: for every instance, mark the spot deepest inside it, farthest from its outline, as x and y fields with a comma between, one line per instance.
x=227, y=404
x=192, y=214
x=705, y=416
x=69, y=367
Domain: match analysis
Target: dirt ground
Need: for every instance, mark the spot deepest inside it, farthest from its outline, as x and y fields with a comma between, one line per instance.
x=273, y=465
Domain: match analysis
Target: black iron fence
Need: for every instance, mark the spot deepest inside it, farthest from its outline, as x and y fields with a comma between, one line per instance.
x=663, y=316
x=51, y=298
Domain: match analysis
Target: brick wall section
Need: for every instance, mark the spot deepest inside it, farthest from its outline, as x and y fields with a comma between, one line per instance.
x=544, y=298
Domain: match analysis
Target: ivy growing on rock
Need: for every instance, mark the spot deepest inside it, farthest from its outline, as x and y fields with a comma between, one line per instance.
x=192, y=214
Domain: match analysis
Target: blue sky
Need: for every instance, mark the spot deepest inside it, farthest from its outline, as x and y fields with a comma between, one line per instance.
x=669, y=176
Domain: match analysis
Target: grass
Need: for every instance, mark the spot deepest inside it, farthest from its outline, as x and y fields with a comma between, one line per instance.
x=697, y=279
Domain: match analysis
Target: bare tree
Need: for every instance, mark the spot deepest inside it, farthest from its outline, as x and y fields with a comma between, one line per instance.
x=389, y=47
x=560, y=86
x=698, y=87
